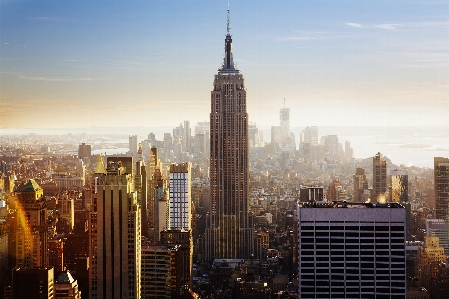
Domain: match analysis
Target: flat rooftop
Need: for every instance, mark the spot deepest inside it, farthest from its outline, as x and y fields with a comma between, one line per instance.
x=350, y=205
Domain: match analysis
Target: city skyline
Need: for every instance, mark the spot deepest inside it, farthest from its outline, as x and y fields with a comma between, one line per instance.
x=84, y=63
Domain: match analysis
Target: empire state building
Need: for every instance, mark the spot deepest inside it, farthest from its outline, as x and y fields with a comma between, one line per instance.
x=229, y=230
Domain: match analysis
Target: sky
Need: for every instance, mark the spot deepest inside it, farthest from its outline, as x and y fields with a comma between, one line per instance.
x=67, y=64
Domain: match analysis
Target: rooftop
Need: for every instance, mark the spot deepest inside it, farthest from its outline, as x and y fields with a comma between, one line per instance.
x=350, y=205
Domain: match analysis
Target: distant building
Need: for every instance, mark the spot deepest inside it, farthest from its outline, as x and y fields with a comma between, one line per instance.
x=399, y=186
x=349, y=151
x=311, y=193
x=284, y=121
x=441, y=178
x=379, y=179
x=331, y=146
x=84, y=151
x=351, y=250
x=360, y=185
x=133, y=146
x=310, y=135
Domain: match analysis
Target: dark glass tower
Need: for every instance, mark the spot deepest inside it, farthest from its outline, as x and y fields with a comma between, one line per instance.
x=229, y=232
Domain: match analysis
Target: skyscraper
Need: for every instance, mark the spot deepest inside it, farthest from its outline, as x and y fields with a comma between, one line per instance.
x=114, y=241
x=379, y=178
x=28, y=238
x=284, y=121
x=441, y=177
x=229, y=233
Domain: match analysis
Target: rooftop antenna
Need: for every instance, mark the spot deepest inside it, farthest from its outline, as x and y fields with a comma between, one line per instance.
x=229, y=20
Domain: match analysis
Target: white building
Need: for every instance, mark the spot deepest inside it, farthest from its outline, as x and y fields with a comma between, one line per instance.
x=180, y=212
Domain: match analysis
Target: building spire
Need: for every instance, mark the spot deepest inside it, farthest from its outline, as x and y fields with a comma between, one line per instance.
x=228, y=62
x=229, y=20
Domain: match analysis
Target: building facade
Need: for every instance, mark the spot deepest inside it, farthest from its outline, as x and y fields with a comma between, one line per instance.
x=351, y=250
x=441, y=177
x=360, y=185
x=229, y=233
x=28, y=237
x=114, y=237
x=180, y=210
x=379, y=178
x=399, y=186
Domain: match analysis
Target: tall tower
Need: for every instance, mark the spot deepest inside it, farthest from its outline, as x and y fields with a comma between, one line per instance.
x=284, y=121
x=114, y=241
x=441, y=172
x=229, y=233
x=379, y=177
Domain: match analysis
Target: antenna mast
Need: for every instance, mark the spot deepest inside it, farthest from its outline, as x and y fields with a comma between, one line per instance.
x=229, y=19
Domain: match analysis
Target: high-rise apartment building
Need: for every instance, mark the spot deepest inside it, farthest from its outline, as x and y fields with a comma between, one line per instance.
x=399, y=186
x=114, y=241
x=441, y=177
x=351, y=250
x=229, y=233
x=379, y=178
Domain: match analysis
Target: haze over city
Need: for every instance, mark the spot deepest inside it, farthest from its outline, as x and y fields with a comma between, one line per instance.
x=150, y=63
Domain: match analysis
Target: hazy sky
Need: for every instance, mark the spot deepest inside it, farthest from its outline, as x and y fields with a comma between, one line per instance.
x=152, y=63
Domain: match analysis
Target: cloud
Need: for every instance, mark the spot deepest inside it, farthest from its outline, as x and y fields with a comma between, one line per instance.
x=293, y=38
x=357, y=25
x=388, y=26
x=52, y=79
